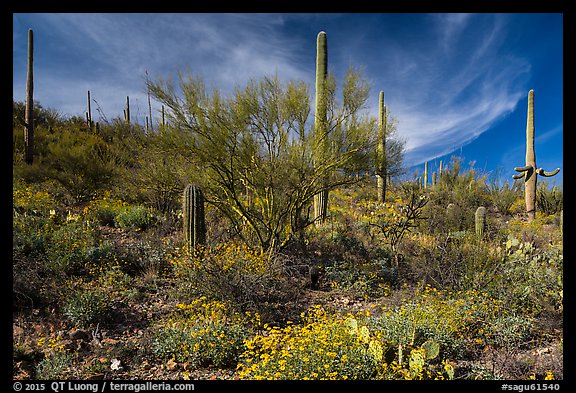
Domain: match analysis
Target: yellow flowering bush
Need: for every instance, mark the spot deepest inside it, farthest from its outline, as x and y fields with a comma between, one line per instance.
x=202, y=333
x=32, y=199
x=104, y=210
x=323, y=347
x=333, y=346
x=456, y=320
x=232, y=272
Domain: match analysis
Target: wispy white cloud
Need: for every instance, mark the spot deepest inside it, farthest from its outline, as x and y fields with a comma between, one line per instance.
x=225, y=49
x=446, y=101
x=446, y=83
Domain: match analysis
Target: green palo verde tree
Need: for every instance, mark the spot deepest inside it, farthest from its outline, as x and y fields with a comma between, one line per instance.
x=253, y=154
x=529, y=171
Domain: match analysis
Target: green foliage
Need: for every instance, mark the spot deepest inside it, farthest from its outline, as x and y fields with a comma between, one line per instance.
x=252, y=155
x=203, y=333
x=134, y=217
x=234, y=273
x=503, y=196
x=549, y=200
x=399, y=218
x=531, y=278
x=466, y=191
x=440, y=321
x=54, y=367
x=71, y=246
x=86, y=307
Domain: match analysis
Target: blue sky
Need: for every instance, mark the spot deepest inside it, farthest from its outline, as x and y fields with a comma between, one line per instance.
x=456, y=83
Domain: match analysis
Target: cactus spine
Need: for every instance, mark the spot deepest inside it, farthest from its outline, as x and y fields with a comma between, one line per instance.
x=29, y=115
x=529, y=170
x=480, y=221
x=193, y=216
x=320, y=126
x=381, y=150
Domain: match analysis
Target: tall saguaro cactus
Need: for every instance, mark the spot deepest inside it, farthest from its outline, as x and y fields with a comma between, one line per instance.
x=320, y=123
x=89, y=113
x=381, y=150
x=127, y=110
x=193, y=216
x=529, y=171
x=29, y=115
x=426, y=174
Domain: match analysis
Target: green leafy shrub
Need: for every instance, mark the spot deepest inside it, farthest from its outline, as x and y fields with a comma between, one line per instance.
x=503, y=196
x=54, y=367
x=234, y=273
x=86, y=307
x=549, y=200
x=71, y=246
x=80, y=161
x=456, y=321
x=466, y=190
x=203, y=333
x=135, y=217
x=105, y=209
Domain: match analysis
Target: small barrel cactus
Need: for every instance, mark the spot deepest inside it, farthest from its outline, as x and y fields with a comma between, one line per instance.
x=193, y=216
x=480, y=220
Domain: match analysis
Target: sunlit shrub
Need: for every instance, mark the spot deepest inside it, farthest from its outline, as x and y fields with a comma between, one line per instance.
x=70, y=247
x=324, y=347
x=455, y=320
x=105, y=209
x=332, y=346
x=233, y=273
x=135, y=217
x=202, y=333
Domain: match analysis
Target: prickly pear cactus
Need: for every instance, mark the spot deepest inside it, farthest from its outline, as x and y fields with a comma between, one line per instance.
x=431, y=349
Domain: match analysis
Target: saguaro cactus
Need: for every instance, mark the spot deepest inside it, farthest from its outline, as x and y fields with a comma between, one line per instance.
x=480, y=221
x=426, y=174
x=320, y=123
x=529, y=170
x=127, y=110
x=381, y=150
x=89, y=113
x=29, y=115
x=193, y=216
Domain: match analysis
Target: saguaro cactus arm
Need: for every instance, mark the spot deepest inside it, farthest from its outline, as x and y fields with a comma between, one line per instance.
x=521, y=169
x=542, y=172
